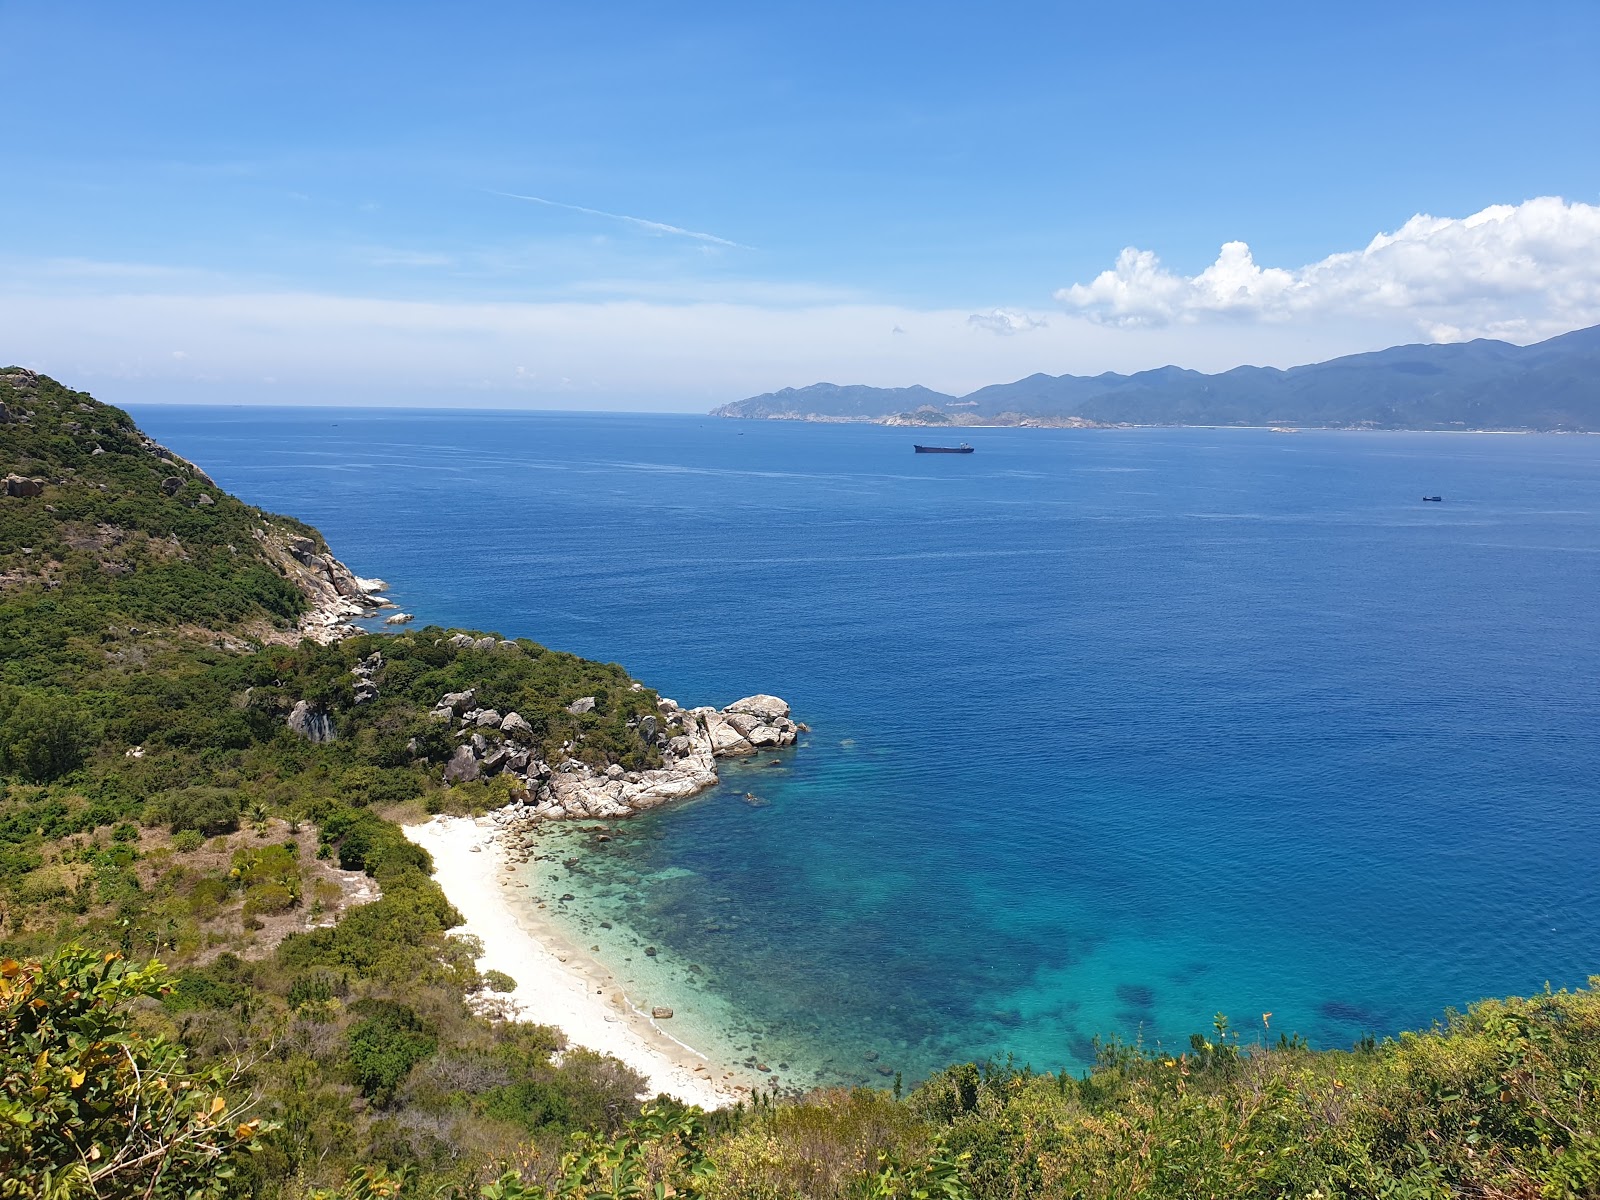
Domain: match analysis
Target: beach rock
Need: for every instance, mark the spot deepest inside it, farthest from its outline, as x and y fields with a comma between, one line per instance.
x=726, y=740
x=311, y=723
x=614, y=772
x=679, y=746
x=765, y=735
x=514, y=725
x=462, y=767
x=399, y=618
x=661, y=1012
x=768, y=708
x=745, y=723
x=583, y=704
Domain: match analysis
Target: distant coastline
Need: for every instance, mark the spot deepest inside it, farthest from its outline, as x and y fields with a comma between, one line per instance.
x=1468, y=387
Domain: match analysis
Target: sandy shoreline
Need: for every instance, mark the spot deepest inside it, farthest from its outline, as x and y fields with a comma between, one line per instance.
x=556, y=985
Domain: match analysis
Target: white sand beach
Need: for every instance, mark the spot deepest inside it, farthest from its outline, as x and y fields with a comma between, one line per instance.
x=556, y=985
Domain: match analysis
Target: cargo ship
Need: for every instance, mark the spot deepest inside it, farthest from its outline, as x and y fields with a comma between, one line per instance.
x=961, y=449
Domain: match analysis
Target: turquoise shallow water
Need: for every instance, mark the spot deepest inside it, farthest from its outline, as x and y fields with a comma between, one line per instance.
x=1112, y=730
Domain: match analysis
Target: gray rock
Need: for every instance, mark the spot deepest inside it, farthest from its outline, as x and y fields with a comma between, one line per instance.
x=457, y=701
x=516, y=726
x=494, y=760
x=647, y=728
x=661, y=1012
x=464, y=641
x=765, y=735
x=487, y=718
x=399, y=618
x=614, y=772
x=171, y=484
x=462, y=767
x=205, y=500
x=679, y=746
x=580, y=706
x=479, y=744
x=310, y=723
x=768, y=708
x=22, y=488
x=486, y=643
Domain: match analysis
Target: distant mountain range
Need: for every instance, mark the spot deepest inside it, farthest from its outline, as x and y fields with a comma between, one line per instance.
x=1552, y=385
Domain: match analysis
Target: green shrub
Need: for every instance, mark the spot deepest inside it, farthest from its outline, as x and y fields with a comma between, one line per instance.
x=207, y=810
x=187, y=840
x=385, y=1046
x=499, y=981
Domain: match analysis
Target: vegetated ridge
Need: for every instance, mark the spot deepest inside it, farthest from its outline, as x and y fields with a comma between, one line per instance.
x=1479, y=385
x=225, y=972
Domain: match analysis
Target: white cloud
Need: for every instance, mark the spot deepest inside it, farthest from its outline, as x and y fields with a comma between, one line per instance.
x=1006, y=321
x=1519, y=271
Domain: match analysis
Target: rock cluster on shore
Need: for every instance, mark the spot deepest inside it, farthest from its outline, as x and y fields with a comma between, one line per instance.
x=337, y=594
x=690, y=742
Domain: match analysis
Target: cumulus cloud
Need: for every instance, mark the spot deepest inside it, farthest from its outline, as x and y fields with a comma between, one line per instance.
x=1006, y=321
x=1520, y=271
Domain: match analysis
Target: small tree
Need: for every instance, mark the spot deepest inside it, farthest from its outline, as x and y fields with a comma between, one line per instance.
x=90, y=1107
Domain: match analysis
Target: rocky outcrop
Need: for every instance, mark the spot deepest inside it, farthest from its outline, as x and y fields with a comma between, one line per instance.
x=689, y=741
x=311, y=722
x=337, y=594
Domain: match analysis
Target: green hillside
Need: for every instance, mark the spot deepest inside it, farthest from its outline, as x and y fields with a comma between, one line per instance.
x=316, y=1030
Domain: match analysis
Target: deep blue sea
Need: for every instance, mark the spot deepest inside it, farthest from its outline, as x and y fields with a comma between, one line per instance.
x=1112, y=730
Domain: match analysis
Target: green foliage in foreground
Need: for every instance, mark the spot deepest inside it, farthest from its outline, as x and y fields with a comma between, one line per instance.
x=89, y=1106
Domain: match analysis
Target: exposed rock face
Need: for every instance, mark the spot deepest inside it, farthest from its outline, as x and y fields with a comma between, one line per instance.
x=462, y=767
x=311, y=723
x=580, y=706
x=337, y=594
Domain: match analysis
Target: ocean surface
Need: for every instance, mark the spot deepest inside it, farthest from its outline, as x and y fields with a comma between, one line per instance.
x=1111, y=730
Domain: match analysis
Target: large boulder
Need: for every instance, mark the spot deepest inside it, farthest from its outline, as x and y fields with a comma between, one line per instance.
x=768, y=708
x=23, y=488
x=516, y=726
x=462, y=767
x=726, y=740
x=310, y=722
x=457, y=701
x=583, y=704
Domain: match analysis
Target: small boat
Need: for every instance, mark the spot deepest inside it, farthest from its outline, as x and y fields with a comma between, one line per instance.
x=1435, y=499
x=961, y=449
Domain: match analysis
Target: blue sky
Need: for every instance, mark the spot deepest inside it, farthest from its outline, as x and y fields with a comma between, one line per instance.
x=313, y=202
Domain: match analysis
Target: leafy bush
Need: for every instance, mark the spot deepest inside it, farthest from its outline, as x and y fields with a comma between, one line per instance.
x=385, y=1046
x=499, y=981
x=186, y=840
x=209, y=811
x=92, y=1107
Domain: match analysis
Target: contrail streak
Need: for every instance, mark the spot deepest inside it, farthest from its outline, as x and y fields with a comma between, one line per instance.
x=639, y=222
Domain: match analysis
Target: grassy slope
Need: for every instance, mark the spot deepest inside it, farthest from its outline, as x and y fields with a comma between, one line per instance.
x=135, y=618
